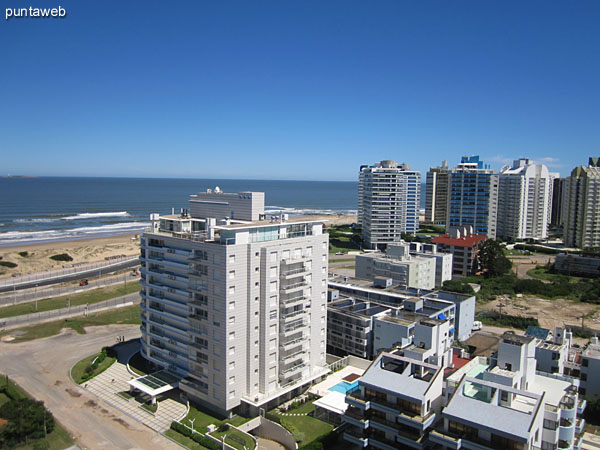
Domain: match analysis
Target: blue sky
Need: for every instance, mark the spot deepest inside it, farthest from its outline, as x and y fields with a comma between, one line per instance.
x=296, y=90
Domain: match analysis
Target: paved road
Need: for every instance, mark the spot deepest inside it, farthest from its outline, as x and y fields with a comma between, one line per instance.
x=42, y=368
x=70, y=277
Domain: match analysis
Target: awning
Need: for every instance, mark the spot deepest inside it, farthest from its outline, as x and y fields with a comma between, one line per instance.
x=156, y=383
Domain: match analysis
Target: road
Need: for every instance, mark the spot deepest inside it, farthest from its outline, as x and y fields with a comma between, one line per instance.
x=70, y=277
x=42, y=367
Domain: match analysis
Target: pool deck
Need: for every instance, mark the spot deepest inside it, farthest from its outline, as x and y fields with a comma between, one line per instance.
x=322, y=388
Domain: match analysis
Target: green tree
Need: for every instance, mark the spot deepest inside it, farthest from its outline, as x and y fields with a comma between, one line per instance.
x=458, y=286
x=491, y=259
x=27, y=419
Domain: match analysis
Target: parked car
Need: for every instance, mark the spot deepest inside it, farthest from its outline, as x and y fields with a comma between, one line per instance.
x=477, y=325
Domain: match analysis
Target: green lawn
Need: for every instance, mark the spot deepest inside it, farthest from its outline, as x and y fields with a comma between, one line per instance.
x=202, y=419
x=150, y=407
x=95, y=296
x=342, y=260
x=541, y=273
x=59, y=439
x=129, y=315
x=306, y=429
x=305, y=408
x=184, y=440
x=235, y=438
x=79, y=368
x=340, y=239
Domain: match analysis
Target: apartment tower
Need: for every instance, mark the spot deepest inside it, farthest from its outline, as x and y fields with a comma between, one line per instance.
x=436, y=195
x=388, y=202
x=581, y=206
x=524, y=200
x=473, y=197
x=234, y=302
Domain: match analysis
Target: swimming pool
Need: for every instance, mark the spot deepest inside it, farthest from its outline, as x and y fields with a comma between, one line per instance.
x=345, y=387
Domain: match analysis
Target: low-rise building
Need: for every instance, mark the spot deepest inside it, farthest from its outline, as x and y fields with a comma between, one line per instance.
x=464, y=247
x=398, y=401
x=398, y=264
x=503, y=403
x=577, y=265
x=443, y=261
x=430, y=303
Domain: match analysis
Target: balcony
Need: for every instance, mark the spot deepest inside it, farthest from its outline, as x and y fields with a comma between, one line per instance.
x=294, y=342
x=291, y=356
x=356, y=437
x=579, y=425
x=445, y=439
x=357, y=400
x=292, y=327
x=581, y=404
x=291, y=316
x=288, y=271
x=293, y=369
x=296, y=298
x=293, y=287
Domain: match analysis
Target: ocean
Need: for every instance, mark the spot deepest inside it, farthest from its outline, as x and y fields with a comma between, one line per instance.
x=43, y=209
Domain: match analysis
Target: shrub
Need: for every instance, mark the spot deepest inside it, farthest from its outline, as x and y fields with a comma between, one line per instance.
x=197, y=437
x=24, y=254
x=110, y=352
x=61, y=257
x=223, y=428
x=8, y=264
x=496, y=319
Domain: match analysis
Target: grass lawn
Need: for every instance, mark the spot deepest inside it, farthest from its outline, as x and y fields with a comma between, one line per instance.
x=59, y=439
x=184, y=440
x=79, y=368
x=541, y=273
x=129, y=315
x=150, y=407
x=306, y=428
x=49, y=304
x=342, y=260
x=306, y=408
x=235, y=438
x=340, y=239
x=202, y=419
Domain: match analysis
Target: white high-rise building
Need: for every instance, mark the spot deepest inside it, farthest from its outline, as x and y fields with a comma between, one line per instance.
x=524, y=200
x=233, y=302
x=388, y=202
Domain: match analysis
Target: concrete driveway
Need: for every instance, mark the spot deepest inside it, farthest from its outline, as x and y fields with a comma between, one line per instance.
x=42, y=367
x=115, y=379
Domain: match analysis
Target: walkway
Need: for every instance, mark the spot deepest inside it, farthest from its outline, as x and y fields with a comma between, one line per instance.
x=115, y=379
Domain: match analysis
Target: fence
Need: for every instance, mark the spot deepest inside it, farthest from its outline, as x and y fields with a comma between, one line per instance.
x=79, y=268
x=65, y=313
x=40, y=293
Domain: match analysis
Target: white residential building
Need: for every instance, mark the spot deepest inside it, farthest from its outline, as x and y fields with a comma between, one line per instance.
x=505, y=404
x=443, y=261
x=388, y=202
x=524, y=200
x=399, y=265
x=233, y=302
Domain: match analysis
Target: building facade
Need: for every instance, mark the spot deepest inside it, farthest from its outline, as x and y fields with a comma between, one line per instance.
x=558, y=186
x=388, y=202
x=464, y=245
x=436, y=195
x=524, y=201
x=473, y=197
x=234, y=304
x=581, y=206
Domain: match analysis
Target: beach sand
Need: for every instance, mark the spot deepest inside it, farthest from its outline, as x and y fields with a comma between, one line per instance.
x=82, y=251
x=89, y=250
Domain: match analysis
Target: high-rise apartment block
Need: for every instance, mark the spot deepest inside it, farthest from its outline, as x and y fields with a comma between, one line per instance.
x=581, y=206
x=524, y=200
x=558, y=186
x=473, y=197
x=234, y=302
x=436, y=195
x=388, y=202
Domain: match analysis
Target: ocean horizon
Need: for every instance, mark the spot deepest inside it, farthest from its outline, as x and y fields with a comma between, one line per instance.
x=46, y=209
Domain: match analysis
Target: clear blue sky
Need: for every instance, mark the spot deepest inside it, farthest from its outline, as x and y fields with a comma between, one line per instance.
x=296, y=89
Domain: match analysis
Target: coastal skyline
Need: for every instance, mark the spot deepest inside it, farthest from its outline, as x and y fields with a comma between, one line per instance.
x=297, y=91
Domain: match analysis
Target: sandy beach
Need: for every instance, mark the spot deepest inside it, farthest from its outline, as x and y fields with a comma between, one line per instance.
x=88, y=250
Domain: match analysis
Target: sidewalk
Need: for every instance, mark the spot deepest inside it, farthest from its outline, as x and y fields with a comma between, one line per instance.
x=115, y=379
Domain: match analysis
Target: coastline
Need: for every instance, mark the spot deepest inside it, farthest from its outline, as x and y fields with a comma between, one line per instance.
x=90, y=249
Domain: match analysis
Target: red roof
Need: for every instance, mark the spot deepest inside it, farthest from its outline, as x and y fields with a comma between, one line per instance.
x=457, y=362
x=467, y=241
